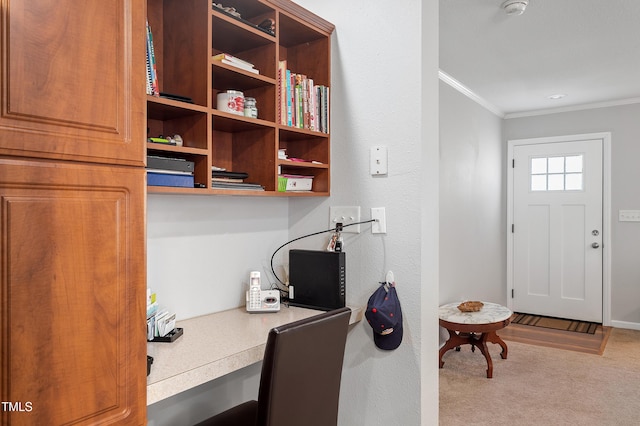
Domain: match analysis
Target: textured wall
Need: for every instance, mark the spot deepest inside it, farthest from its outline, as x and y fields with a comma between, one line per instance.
x=384, y=92
x=472, y=201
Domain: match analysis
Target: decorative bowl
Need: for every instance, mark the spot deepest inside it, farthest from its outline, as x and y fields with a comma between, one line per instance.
x=470, y=306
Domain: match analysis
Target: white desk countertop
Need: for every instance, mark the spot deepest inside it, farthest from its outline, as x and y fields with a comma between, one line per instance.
x=214, y=345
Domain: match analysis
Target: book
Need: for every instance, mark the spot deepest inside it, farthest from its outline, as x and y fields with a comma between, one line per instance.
x=301, y=102
x=224, y=179
x=149, y=75
x=297, y=106
x=155, y=89
x=305, y=103
x=289, y=97
x=322, y=119
x=229, y=174
x=237, y=185
x=231, y=58
x=312, y=104
x=242, y=67
x=169, y=163
x=282, y=92
x=233, y=61
x=168, y=171
x=169, y=179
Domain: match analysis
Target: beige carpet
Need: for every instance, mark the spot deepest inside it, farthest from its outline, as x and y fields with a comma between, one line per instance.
x=544, y=386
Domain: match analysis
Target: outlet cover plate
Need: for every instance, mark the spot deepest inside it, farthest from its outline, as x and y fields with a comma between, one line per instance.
x=629, y=216
x=345, y=215
x=380, y=226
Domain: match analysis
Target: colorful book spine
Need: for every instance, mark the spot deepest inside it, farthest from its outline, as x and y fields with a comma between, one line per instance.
x=282, y=92
x=152, y=62
x=312, y=104
x=149, y=77
x=289, y=98
x=326, y=109
x=302, y=103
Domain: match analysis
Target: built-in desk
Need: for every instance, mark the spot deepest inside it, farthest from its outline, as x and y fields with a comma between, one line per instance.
x=215, y=345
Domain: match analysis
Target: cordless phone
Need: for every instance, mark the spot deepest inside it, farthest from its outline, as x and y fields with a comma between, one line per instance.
x=259, y=300
x=254, y=302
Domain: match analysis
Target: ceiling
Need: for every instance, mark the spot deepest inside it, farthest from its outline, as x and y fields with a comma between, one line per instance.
x=586, y=49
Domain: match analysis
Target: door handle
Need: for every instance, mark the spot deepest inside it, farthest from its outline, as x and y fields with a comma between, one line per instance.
x=595, y=245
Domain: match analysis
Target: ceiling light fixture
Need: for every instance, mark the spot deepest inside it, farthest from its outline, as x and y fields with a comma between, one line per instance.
x=556, y=96
x=515, y=7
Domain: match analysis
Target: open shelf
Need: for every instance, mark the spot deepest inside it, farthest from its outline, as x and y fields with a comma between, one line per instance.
x=184, y=58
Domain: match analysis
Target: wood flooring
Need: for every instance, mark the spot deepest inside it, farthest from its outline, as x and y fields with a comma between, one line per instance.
x=560, y=339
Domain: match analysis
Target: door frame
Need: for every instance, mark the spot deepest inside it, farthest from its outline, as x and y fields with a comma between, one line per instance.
x=605, y=137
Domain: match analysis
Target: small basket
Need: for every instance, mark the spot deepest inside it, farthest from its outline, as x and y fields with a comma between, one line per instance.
x=471, y=306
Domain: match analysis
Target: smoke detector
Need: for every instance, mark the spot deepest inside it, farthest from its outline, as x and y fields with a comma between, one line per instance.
x=515, y=7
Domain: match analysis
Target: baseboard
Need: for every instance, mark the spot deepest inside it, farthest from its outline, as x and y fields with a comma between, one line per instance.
x=625, y=324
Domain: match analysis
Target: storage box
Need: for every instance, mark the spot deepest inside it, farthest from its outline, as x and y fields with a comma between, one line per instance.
x=294, y=183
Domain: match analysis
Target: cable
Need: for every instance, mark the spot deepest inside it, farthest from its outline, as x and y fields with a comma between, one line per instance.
x=338, y=228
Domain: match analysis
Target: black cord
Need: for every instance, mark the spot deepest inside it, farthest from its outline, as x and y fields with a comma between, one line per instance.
x=338, y=228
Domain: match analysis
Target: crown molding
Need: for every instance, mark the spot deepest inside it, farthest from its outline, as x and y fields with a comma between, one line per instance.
x=572, y=108
x=446, y=78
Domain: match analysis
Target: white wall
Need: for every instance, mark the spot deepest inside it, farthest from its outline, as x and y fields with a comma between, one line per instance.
x=201, y=249
x=472, y=201
x=624, y=125
x=384, y=92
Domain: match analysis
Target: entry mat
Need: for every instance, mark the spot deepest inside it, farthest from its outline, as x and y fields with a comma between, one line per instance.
x=555, y=323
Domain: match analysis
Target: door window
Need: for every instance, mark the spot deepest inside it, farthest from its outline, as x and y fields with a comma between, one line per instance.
x=561, y=173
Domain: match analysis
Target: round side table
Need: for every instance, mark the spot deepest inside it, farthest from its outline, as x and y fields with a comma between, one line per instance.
x=475, y=329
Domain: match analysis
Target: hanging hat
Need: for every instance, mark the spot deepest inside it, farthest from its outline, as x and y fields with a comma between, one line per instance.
x=385, y=317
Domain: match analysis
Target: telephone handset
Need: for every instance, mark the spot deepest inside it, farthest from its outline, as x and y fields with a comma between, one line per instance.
x=259, y=300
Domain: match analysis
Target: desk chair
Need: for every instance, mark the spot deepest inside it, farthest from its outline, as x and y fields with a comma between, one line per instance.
x=300, y=378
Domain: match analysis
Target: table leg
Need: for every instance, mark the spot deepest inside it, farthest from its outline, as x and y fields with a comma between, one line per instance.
x=475, y=340
x=481, y=343
x=454, y=341
x=494, y=338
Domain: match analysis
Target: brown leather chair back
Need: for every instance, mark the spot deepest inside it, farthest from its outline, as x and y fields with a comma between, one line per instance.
x=301, y=371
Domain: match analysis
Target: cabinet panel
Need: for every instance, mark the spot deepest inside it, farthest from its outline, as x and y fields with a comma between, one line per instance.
x=73, y=293
x=72, y=79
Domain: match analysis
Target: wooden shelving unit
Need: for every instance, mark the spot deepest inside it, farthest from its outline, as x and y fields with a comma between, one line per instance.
x=187, y=34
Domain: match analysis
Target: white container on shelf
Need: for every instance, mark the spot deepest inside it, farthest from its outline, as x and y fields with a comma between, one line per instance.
x=250, y=108
x=231, y=101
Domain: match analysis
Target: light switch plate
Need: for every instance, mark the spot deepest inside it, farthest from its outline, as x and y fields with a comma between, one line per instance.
x=378, y=160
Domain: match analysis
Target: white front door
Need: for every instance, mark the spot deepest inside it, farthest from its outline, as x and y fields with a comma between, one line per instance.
x=557, y=229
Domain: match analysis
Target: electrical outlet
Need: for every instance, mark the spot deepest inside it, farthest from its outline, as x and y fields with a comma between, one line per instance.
x=629, y=216
x=345, y=215
x=380, y=224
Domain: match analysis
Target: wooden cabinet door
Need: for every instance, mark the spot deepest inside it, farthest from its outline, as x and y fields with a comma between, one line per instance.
x=73, y=80
x=73, y=286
